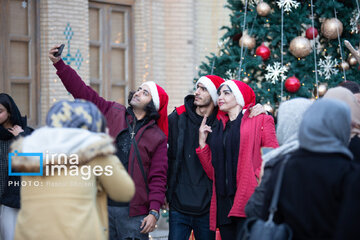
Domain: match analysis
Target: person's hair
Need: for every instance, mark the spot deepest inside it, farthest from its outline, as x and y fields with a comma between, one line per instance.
x=6, y=102
x=221, y=86
x=352, y=86
x=150, y=108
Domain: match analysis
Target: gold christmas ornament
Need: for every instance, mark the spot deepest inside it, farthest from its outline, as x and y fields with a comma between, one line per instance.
x=329, y=28
x=352, y=60
x=267, y=106
x=322, y=90
x=345, y=66
x=248, y=41
x=246, y=80
x=300, y=47
x=263, y=9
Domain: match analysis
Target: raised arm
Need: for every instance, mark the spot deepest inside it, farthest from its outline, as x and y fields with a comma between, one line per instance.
x=75, y=85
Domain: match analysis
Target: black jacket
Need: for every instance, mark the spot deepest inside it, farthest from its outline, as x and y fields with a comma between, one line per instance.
x=11, y=195
x=254, y=206
x=348, y=224
x=354, y=147
x=312, y=191
x=189, y=189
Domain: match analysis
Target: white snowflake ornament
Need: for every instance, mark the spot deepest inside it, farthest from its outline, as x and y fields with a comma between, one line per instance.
x=287, y=4
x=355, y=21
x=231, y=74
x=251, y=2
x=275, y=73
x=327, y=67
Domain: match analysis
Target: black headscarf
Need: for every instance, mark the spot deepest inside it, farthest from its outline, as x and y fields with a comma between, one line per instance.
x=15, y=116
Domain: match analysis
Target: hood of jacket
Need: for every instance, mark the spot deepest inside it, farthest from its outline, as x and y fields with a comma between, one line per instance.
x=66, y=141
x=326, y=127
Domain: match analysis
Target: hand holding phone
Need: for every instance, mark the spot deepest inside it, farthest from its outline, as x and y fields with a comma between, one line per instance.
x=60, y=49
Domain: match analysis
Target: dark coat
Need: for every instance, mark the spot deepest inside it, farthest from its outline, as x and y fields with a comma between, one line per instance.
x=255, y=204
x=11, y=195
x=311, y=194
x=152, y=143
x=348, y=224
x=354, y=147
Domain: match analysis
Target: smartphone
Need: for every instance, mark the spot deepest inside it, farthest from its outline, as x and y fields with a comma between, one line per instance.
x=60, y=49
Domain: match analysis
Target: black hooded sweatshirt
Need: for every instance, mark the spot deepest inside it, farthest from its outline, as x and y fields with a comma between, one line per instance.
x=189, y=188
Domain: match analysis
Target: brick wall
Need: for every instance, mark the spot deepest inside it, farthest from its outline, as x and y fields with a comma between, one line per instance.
x=54, y=17
x=172, y=38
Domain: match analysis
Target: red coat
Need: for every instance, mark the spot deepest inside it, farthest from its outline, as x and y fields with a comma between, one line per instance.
x=256, y=132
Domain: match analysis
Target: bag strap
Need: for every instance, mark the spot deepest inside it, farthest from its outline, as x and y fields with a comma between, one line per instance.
x=275, y=197
x=137, y=152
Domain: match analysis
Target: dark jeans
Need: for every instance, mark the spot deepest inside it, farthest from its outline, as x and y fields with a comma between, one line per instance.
x=180, y=226
x=123, y=227
x=231, y=231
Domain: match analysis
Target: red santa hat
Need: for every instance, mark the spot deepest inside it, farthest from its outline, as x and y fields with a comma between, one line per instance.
x=160, y=99
x=212, y=83
x=244, y=94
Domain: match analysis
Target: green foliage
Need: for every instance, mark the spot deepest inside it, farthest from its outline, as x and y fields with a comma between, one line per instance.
x=268, y=29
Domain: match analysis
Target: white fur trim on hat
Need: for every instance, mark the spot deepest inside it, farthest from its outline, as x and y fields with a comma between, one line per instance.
x=154, y=93
x=236, y=91
x=210, y=86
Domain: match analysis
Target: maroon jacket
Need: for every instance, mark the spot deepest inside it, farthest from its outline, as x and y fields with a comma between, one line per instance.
x=152, y=143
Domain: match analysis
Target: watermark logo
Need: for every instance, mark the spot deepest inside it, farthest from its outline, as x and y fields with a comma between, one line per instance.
x=17, y=154
x=58, y=165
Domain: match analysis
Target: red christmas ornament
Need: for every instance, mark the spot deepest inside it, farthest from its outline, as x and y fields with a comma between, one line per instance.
x=309, y=33
x=263, y=51
x=292, y=84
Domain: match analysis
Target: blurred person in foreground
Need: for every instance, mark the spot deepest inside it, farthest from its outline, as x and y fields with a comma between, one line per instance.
x=69, y=200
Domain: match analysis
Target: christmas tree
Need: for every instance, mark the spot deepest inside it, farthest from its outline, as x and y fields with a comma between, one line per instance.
x=287, y=48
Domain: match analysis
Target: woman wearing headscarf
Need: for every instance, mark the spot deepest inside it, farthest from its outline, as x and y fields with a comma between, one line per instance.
x=345, y=95
x=69, y=200
x=12, y=125
x=233, y=158
x=290, y=115
x=313, y=185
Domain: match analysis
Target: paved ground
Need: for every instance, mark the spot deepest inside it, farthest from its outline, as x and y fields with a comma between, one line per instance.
x=162, y=232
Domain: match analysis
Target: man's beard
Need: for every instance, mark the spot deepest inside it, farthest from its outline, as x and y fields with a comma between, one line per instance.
x=205, y=104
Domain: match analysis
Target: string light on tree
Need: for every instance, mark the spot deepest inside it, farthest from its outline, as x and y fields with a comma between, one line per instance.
x=288, y=4
x=327, y=67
